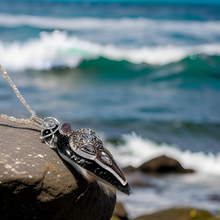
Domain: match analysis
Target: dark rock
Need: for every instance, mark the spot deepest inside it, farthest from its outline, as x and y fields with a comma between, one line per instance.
x=120, y=211
x=36, y=184
x=163, y=164
x=160, y=164
x=179, y=214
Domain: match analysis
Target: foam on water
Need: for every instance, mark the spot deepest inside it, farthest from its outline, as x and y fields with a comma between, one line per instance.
x=196, y=28
x=140, y=31
x=56, y=49
x=137, y=150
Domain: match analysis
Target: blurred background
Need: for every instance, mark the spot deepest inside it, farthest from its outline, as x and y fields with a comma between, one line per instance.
x=144, y=74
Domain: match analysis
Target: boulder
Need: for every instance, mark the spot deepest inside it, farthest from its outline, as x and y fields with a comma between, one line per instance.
x=163, y=164
x=36, y=184
x=179, y=214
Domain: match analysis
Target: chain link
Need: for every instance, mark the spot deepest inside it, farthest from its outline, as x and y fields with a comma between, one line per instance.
x=18, y=94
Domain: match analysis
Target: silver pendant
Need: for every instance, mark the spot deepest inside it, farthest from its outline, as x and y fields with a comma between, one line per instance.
x=84, y=148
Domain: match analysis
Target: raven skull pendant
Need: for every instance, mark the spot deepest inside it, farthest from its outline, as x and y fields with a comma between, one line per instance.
x=84, y=148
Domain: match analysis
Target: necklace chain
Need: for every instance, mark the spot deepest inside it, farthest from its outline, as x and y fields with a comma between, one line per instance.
x=18, y=94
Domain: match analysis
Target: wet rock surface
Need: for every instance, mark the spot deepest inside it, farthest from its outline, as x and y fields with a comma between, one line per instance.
x=36, y=184
x=162, y=164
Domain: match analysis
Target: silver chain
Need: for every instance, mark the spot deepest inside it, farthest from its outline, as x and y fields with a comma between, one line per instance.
x=11, y=118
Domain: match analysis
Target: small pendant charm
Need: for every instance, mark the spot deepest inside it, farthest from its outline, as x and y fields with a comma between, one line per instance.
x=84, y=148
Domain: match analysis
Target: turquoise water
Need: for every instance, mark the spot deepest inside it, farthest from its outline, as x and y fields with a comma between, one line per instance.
x=120, y=67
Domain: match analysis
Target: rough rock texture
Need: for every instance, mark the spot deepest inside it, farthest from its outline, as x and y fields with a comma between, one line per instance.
x=179, y=214
x=163, y=164
x=36, y=184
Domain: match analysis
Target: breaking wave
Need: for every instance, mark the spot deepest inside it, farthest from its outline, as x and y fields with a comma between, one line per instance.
x=207, y=28
x=57, y=49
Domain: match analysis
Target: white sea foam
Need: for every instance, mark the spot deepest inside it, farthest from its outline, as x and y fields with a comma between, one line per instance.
x=58, y=49
x=207, y=28
x=138, y=31
x=137, y=150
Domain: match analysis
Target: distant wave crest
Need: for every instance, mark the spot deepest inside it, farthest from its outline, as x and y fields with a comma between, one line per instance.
x=207, y=28
x=57, y=49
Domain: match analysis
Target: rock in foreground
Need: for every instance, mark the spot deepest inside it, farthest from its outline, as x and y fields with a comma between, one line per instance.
x=36, y=184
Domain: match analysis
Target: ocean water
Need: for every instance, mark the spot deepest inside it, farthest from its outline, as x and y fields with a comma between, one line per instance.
x=144, y=75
